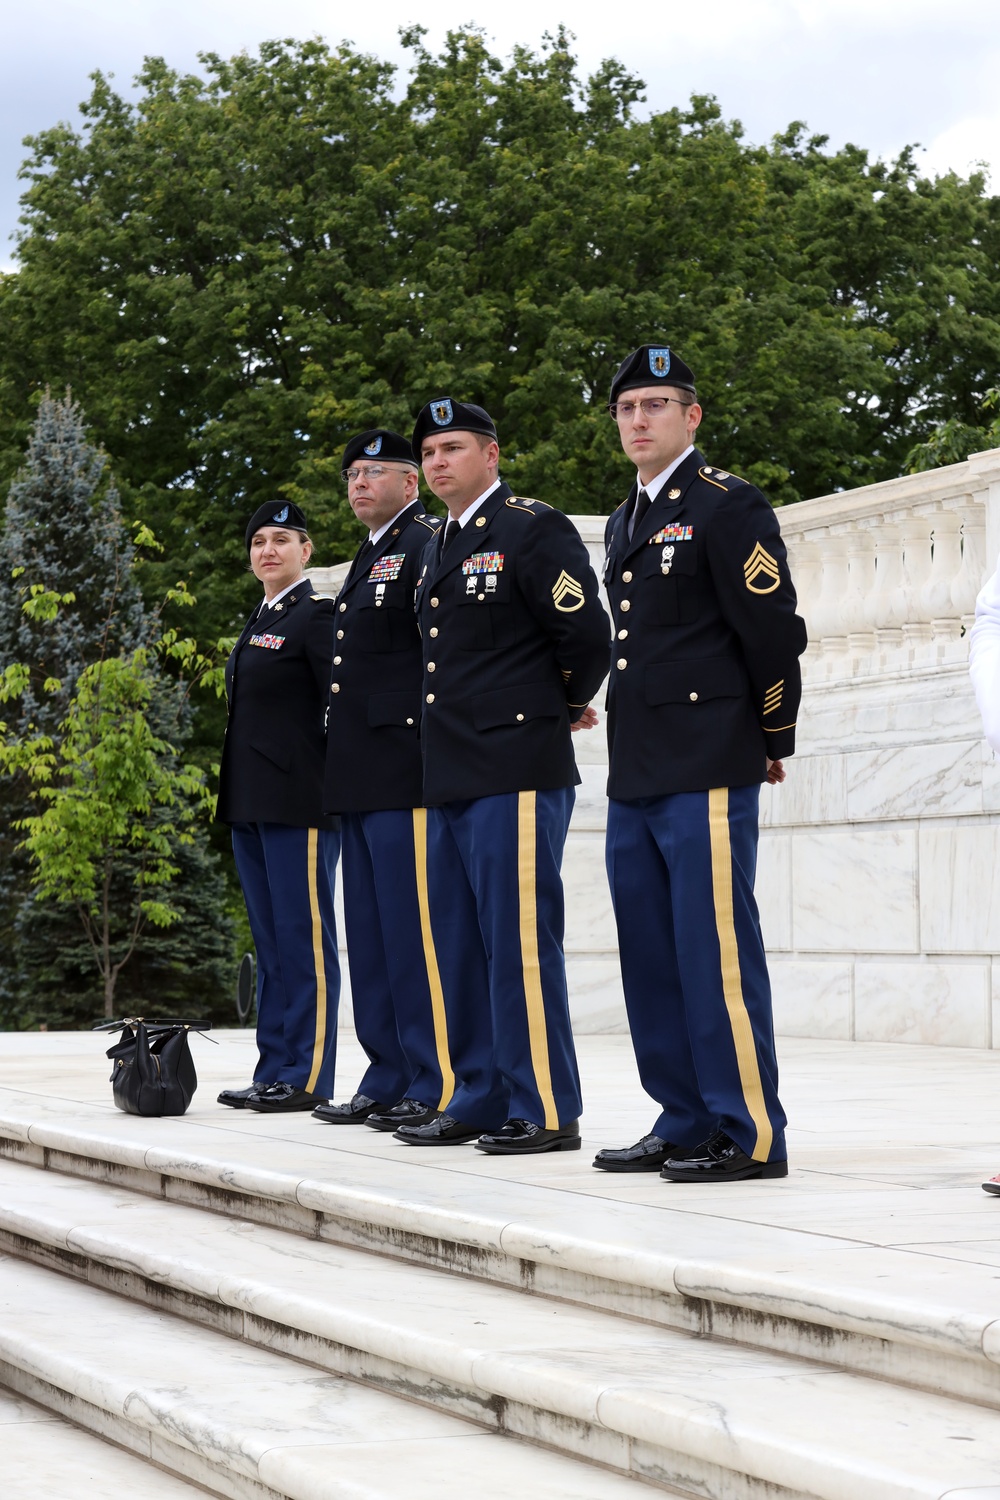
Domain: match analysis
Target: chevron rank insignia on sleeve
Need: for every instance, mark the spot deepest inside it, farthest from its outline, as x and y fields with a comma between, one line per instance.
x=772, y=698
x=567, y=594
x=760, y=564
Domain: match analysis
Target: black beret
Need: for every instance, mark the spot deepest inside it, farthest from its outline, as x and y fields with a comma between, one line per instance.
x=379, y=442
x=276, y=513
x=446, y=415
x=649, y=365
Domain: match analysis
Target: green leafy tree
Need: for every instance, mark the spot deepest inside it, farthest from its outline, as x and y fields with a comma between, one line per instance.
x=112, y=796
x=954, y=440
x=71, y=605
x=239, y=269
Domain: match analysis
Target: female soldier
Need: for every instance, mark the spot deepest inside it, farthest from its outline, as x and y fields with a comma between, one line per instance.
x=270, y=791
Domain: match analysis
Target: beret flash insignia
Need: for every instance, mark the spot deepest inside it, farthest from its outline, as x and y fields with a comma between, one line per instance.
x=280, y=515
x=659, y=362
x=442, y=412
x=374, y=447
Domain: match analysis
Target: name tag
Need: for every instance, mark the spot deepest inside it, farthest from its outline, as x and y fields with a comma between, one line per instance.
x=269, y=642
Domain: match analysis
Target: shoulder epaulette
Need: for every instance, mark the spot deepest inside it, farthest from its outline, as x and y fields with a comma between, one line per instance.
x=721, y=478
x=433, y=523
x=526, y=507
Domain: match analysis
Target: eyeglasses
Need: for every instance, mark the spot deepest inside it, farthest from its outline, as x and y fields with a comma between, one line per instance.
x=373, y=471
x=654, y=406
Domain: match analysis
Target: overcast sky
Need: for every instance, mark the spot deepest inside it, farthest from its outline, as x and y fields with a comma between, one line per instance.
x=879, y=73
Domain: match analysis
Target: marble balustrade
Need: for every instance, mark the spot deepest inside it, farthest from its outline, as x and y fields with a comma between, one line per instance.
x=878, y=876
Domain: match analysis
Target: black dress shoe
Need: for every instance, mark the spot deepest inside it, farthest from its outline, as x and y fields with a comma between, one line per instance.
x=403, y=1112
x=283, y=1098
x=524, y=1138
x=441, y=1131
x=355, y=1113
x=719, y=1159
x=237, y=1098
x=647, y=1155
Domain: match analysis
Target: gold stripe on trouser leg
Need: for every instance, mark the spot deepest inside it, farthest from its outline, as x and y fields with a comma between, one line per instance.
x=530, y=966
x=438, y=1014
x=319, y=962
x=732, y=981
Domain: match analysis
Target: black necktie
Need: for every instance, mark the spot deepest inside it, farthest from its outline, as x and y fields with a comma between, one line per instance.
x=642, y=504
x=451, y=531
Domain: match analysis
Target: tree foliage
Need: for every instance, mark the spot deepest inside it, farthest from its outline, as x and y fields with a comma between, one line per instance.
x=237, y=270
x=96, y=809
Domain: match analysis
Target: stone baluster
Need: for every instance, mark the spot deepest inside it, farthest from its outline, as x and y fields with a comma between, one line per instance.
x=831, y=625
x=938, y=606
x=885, y=607
x=916, y=531
x=970, y=575
x=805, y=559
x=860, y=582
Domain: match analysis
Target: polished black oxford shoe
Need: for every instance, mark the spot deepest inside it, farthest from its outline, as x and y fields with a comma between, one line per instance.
x=647, y=1155
x=403, y=1112
x=283, y=1098
x=524, y=1138
x=355, y=1113
x=719, y=1159
x=442, y=1131
x=237, y=1098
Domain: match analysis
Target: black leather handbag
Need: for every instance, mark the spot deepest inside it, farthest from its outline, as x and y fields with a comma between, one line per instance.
x=152, y=1070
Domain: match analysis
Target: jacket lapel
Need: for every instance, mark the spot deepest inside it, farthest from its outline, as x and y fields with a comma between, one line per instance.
x=472, y=539
x=663, y=507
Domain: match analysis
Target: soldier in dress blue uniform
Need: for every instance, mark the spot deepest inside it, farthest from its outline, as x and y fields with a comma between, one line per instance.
x=374, y=780
x=270, y=791
x=515, y=644
x=703, y=696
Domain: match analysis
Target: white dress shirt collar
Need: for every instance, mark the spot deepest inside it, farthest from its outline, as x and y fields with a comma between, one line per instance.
x=656, y=484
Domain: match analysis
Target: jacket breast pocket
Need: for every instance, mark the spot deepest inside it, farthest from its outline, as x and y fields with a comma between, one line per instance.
x=485, y=617
x=384, y=620
x=670, y=589
x=694, y=682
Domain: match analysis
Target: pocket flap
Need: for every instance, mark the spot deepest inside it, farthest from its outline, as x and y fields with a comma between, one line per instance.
x=515, y=705
x=694, y=681
x=393, y=708
x=278, y=755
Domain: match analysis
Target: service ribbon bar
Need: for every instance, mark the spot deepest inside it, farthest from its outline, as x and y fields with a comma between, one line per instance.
x=483, y=562
x=385, y=569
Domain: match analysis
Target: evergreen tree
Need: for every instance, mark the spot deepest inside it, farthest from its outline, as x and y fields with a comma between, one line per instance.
x=65, y=539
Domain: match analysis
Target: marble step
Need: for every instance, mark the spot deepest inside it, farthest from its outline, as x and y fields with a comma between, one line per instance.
x=663, y=1406
x=919, y=1318
x=250, y=1423
x=45, y=1458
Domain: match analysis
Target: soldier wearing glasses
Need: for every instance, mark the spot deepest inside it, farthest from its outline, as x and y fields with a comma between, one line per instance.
x=373, y=779
x=703, y=697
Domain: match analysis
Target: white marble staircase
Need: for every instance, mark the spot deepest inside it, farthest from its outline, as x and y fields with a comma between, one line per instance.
x=279, y=1308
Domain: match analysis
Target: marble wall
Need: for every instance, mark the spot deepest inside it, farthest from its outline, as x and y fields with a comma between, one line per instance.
x=879, y=882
